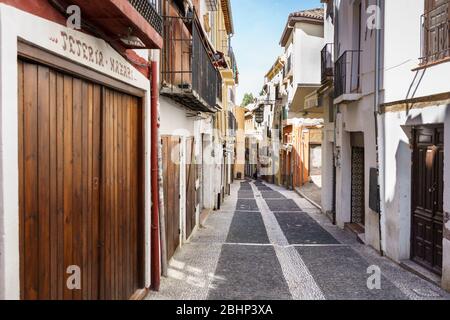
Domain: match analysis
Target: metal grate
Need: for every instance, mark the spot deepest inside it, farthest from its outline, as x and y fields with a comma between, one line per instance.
x=187, y=69
x=150, y=10
x=327, y=62
x=347, y=76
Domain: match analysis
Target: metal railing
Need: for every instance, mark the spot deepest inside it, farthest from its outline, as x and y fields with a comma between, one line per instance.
x=277, y=93
x=233, y=61
x=287, y=67
x=219, y=86
x=186, y=65
x=327, y=62
x=347, y=73
x=435, y=36
x=151, y=11
x=204, y=74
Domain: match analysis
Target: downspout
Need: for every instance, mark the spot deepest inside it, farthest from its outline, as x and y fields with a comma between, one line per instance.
x=377, y=109
x=155, y=252
x=336, y=109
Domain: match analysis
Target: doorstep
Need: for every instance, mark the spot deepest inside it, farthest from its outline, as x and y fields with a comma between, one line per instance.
x=358, y=230
x=420, y=271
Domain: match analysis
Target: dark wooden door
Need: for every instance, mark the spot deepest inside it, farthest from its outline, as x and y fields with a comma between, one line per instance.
x=427, y=197
x=191, y=193
x=171, y=173
x=79, y=194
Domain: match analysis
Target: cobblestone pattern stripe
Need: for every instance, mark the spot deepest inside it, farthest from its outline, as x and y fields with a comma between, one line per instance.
x=300, y=281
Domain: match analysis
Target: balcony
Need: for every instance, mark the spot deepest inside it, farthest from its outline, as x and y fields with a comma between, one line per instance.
x=435, y=34
x=347, y=77
x=187, y=71
x=287, y=70
x=136, y=24
x=150, y=10
x=327, y=71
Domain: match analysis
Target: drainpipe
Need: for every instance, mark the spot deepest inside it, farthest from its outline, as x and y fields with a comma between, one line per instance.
x=377, y=109
x=336, y=109
x=155, y=254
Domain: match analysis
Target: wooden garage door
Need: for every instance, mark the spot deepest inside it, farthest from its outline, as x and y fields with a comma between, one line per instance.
x=80, y=186
x=171, y=173
x=122, y=221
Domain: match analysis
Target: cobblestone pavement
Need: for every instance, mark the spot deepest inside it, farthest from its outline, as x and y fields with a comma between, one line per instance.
x=269, y=243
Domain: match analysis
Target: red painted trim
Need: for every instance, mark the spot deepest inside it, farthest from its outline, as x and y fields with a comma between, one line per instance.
x=40, y=8
x=155, y=252
x=43, y=9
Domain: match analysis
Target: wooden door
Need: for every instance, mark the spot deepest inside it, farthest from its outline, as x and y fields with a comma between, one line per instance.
x=59, y=167
x=191, y=193
x=427, y=197
x=171, y=173
x=80, y=187
x=122, y=223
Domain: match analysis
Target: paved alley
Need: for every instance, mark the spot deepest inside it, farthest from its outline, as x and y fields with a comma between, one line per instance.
x=270, y=244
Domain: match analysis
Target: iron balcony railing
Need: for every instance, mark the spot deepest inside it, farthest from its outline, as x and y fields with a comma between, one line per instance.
x=327, y=62
x=219, y=87
x=347, y=69
x=435, y=36
x=287, y=67
x=277, y=93
x=232, y=124
x=151, y=11
x=187, y=70
x=233, y=62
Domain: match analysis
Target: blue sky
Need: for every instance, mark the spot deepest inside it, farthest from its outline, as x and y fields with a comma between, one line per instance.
x=258, y=26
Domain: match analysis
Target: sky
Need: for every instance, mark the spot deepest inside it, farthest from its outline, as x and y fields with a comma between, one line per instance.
x=258, y=25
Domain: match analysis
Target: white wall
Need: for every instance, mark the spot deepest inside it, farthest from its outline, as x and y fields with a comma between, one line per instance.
x=402, y=52
x=397, y=166
x=357, y=116
x=174, y=120
x=401, y=55
x=308, y=41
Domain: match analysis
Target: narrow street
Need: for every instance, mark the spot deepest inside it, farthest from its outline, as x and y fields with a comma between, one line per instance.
x=270, y=244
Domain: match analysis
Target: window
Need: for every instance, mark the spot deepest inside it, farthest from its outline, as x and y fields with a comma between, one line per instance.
x=435, y=31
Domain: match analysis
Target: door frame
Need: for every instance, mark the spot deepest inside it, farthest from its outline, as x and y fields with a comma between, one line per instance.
x=29, y=52
x=412, y=190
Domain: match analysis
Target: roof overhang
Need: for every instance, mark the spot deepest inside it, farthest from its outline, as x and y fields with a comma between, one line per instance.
x=119, y=19
x=300, y=95
x=312, y=103
x=228, y=16
x=291, y=24
x=276, y=68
